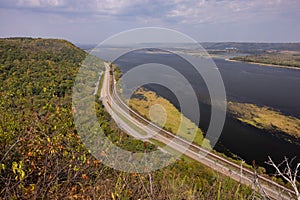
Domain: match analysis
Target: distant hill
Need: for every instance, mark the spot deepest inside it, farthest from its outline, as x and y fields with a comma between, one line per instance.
x=242, y=47
x=86, y=47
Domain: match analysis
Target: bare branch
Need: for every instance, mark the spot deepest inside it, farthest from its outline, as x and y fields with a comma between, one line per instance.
x=287, y=173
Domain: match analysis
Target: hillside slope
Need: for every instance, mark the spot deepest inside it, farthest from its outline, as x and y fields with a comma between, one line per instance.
x=41, y=155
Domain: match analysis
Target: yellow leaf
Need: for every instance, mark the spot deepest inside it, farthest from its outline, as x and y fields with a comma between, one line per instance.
x=113, y=196
x=14, y=167
x=2, y=167
x=22, y=174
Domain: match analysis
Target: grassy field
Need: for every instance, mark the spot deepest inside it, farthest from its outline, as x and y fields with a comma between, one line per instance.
x=165, y=114
x=284, y=58
x=265, y=118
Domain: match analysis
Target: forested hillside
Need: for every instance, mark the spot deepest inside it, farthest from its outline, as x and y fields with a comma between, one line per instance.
x=41, y=155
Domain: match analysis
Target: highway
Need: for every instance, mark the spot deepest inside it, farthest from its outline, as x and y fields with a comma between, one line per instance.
x=143, y=129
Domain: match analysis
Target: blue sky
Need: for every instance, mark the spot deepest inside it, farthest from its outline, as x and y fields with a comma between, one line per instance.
x=91, y=21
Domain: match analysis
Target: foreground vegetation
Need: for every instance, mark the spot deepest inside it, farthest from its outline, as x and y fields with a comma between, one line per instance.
x=265, y=118
x=290, y=59
x=41, y=154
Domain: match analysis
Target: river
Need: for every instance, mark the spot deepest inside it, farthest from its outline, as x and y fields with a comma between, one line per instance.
x=278, y=88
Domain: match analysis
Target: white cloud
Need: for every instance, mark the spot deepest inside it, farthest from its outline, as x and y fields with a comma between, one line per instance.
x=179, y=11
x=40, y=3
x=244, y=20
x=227, y=10
x=115, y=5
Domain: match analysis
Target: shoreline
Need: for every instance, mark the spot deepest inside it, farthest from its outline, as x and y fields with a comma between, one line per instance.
x=263, y=64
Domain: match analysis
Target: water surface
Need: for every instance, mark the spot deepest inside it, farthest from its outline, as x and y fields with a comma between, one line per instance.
x=278, y=88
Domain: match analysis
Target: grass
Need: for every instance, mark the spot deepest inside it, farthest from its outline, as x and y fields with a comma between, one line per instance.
x=163, y=113
x=265, y=118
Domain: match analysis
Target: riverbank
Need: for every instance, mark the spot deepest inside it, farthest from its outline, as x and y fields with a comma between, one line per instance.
x=262, y=64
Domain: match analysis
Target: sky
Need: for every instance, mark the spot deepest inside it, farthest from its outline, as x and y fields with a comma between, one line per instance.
x=92, y=21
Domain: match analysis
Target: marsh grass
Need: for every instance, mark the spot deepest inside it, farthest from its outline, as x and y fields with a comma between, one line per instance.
x=145, y=101
x=265, y=118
